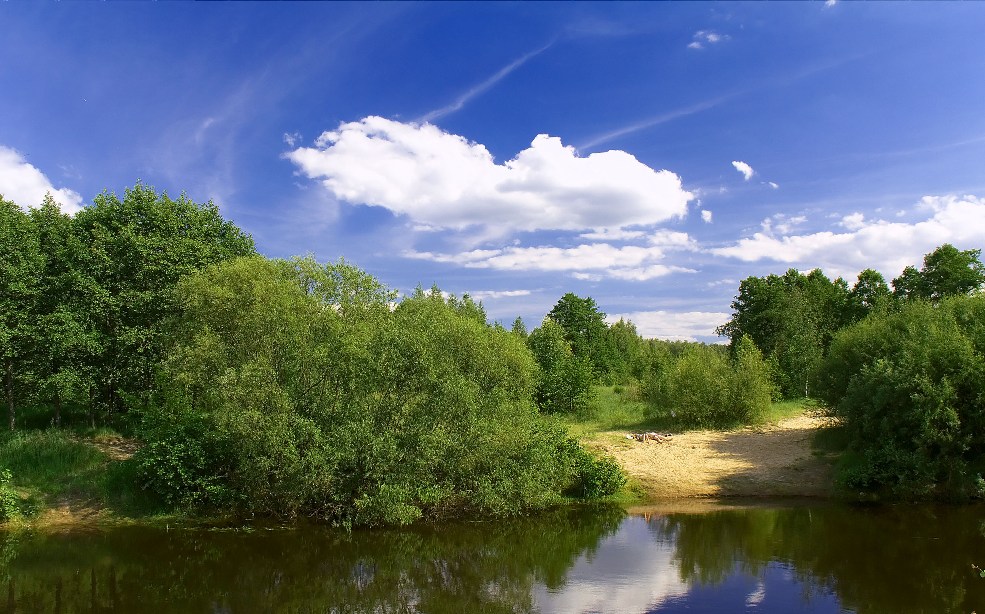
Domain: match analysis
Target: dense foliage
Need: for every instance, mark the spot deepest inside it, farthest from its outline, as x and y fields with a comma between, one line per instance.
x=706, y=387
x=908, y=385
x=793, y=318
x=294, y=389
x=83, y=298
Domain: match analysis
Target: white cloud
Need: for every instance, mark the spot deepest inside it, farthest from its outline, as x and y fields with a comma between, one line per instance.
x=443, y=180
x=626, y=572
x=706, y=216
x=292, y=138
x=883, y=245
x=830, y=3
x=706, y=37
x=592, y=261
x=743, y=168
x=773, y=184
x=25, y=185
x=681, y=326
x=782, y=223
x=612, y=234
x=484, y=295
x=855, y=221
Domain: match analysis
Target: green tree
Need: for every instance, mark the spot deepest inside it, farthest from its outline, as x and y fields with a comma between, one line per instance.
x=137, y=249
x=584, y=328
x=947, y=271
x=20, y=265
x=65, y=334
x=907, y=385
x=519, y=328
x=295, y=388
x=791, y=319
x=869, y=293
x=566, y=382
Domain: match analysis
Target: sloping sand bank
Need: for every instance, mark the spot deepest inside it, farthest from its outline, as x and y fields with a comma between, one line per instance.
x=775, y=460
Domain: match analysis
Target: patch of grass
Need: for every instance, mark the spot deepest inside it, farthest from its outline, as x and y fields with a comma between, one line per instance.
x=781, y=410
x=617, y=408
x=51, y=465
x=611, y=411
x=49, y=460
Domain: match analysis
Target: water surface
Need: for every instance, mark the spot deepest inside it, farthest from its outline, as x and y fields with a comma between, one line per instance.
x=777, y=558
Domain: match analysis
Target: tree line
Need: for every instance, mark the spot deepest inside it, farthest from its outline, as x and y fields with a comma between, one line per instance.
x=272, y=387
x=900, y=364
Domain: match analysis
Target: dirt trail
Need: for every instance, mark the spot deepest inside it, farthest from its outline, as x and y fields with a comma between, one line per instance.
x=764, y=461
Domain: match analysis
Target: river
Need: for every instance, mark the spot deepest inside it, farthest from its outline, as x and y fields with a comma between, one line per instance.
x=684, y=558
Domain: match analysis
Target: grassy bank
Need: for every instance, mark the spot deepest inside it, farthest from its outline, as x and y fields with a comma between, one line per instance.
x=65, y=476
x=618, y=408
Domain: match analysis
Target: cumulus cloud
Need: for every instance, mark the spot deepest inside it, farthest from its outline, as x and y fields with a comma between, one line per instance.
x=591, y=261
x=706, y=216
x=706, y=37
x=782, y=223
x=443, y=180
x=681, y=326
x=855, y=221
x=24, y=184
x=743, y=168
x=880, y=244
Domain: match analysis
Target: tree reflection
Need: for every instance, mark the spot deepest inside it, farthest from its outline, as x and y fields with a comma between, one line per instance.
x=487, y=567
x=876, y=559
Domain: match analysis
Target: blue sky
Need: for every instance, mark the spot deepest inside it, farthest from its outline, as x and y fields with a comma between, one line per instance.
x=649, y=155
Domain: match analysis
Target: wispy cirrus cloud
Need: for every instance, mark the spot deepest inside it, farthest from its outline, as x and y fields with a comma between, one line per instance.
x=655, y=120
x=480, y=88
x=24, y=184
x=703, y=38
x=440, y=180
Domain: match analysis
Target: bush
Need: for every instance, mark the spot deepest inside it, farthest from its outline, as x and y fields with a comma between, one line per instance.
x=596, y=477
x=295, y=389
x=10, y=501
x=908, y=387
x=704, y=387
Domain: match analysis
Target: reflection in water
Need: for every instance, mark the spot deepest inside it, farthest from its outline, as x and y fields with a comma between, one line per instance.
x=761, y=559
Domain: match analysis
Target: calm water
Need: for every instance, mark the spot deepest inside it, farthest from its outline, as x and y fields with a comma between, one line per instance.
x=762, y=559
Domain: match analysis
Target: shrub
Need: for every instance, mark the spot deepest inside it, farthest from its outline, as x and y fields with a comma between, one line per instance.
x=704, y=387
x=908, y=386
x=295, y=389
x=10, y=501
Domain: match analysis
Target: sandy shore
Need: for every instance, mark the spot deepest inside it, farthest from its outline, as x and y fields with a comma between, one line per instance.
x=774, y=460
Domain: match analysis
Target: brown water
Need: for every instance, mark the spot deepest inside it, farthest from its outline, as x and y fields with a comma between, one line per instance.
x=777, y=558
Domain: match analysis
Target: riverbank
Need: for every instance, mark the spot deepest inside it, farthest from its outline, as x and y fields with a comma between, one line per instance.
x=770, y=460
x=776, y=459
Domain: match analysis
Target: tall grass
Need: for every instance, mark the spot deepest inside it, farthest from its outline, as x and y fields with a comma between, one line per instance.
x=51, y=461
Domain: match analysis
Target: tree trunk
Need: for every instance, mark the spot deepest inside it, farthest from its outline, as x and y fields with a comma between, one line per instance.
x=58, y=410
x=9, y=381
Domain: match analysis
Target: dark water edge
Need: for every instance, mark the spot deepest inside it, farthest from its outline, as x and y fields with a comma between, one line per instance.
x=779, y=557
